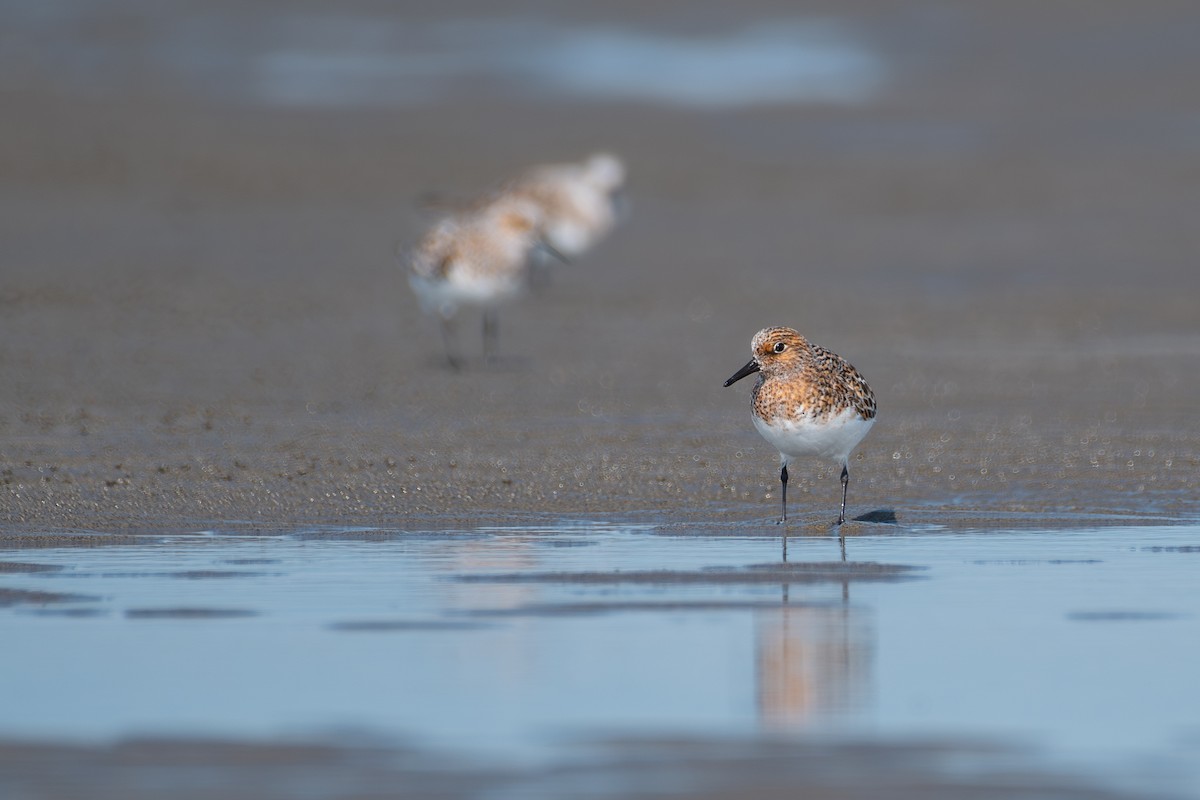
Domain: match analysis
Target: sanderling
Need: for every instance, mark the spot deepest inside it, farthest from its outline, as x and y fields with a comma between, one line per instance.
x=807, y=402
x=580, y=202
x=477, y=257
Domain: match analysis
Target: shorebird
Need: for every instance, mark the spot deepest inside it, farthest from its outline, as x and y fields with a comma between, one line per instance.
x=580, y=202
x=479, y=257
x=807, y=402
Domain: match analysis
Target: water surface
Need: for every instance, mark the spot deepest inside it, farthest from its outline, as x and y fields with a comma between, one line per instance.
x=348, y=57
x=508, y=645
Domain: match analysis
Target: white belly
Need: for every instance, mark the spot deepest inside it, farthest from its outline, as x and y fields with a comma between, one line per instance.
x=445, y=296
x=828, y=437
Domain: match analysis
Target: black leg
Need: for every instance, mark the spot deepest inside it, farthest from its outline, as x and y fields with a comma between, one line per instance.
x=491, y=333
x=845, y=483
x=448, y=338
x=783, y=482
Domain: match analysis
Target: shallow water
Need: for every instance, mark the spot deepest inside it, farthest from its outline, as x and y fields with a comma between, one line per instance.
x=350, y=57
x=513, y=645
x=361, y=61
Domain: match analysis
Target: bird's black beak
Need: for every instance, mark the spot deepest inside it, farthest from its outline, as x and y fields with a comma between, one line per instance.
x=750, y=368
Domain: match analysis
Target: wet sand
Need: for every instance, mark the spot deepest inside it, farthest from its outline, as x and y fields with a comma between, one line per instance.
x=202, y=324
x=786, y=572
x=712, y=770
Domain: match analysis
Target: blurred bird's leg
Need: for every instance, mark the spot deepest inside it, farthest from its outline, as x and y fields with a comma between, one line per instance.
x=450, y=339
x=491, y=333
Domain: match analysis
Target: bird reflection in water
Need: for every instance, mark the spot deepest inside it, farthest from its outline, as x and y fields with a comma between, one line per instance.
x=813, y=661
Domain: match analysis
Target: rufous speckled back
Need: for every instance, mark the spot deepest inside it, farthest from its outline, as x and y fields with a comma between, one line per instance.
x=804, y=379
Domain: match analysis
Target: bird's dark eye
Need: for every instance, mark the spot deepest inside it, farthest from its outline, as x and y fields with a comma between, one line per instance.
x=780, y=347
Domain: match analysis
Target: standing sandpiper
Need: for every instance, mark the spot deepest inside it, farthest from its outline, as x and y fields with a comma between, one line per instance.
x=807, y=402
x=477, y=257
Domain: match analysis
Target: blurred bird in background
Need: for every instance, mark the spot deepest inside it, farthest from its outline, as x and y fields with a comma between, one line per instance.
x=487, y=252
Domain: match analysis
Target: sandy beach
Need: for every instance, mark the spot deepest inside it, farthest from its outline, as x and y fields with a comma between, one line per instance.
x=203, y=323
